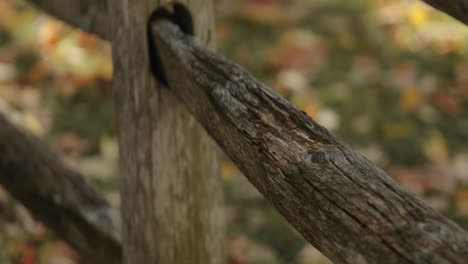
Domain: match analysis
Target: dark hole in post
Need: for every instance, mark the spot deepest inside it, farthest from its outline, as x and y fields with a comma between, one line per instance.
x=178, y=14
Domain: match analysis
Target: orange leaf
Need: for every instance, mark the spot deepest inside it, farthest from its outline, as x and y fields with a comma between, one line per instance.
x=28, y=254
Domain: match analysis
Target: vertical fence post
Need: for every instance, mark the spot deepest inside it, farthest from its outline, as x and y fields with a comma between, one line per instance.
x=170, y=183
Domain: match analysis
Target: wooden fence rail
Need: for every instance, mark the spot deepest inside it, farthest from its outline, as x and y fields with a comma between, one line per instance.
x=339, y=201
x=349, y=209
x=58, y=196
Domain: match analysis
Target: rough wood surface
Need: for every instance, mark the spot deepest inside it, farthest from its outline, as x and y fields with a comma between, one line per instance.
x=170, y=180
x=458, y=9
x=58, y=196
x=350, y=210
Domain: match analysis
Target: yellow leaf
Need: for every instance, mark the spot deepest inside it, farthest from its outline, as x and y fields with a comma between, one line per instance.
x=32, y=124
x=435, y=148
x=228, y=170
x=410, y=98
x=417, y=14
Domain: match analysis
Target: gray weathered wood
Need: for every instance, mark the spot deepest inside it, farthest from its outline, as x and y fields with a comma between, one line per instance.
x=345, y=206
x=170, y=181
x=58, y=196
x=350, y=210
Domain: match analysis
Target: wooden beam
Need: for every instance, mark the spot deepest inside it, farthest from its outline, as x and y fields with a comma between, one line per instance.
x=346, y=207
x=172, y=196
x=457, y=9
x=58, y=196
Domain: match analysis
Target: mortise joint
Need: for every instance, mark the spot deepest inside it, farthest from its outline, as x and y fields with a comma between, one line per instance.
x=178, y=14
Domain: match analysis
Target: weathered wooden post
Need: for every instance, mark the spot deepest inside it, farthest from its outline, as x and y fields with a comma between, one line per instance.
x=171, y=191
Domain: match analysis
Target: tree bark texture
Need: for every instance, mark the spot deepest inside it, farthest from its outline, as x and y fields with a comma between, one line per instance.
x=350, y=210
x=58, y=196
x=457, y=9
x=170, y=180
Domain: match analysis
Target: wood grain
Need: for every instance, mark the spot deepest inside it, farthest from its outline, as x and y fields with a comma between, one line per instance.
x=170, y=180
x=345, y=206
x=58, y=196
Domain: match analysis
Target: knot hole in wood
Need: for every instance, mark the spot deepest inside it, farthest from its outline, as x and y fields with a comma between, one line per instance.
x=178, y=14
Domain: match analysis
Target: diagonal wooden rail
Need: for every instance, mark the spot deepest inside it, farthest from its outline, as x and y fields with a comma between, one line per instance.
x=350, y=210
x=58, y=196
x=458, y=9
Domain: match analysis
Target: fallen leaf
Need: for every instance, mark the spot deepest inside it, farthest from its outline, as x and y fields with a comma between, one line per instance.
x=435, y=147
x=411, y=98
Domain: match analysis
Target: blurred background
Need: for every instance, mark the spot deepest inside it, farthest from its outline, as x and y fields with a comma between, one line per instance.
x=388, y=77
